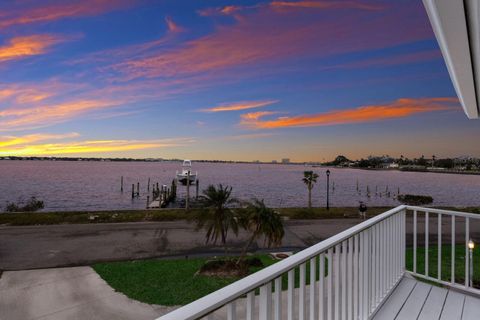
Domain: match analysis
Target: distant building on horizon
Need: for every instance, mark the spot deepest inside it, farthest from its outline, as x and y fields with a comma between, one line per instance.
x=285, y=160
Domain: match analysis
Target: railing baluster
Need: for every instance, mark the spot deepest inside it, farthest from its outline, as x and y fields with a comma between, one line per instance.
x=382, y=255
x=452, y=271
x=232, y=311
x=313, y=288
x=397, y=246
x=290, y=293
x=414, y=241
x=278, y=299
x=265, y=307
x=330, y=285
x=366, y=272
x=404, y=236
x=321, y=287
x=250, y=305
x=336, y=275
x=344, y=284
x=390, y=252
x=301, y=293
x=356, y=275
x=426, y=243
x=439, y=254
x=467, y=255
x=361, y=271
x=350, y=279
x=375, y=265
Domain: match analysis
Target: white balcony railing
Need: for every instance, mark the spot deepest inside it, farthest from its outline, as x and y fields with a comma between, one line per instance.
x=348, y=276
x=458, y=225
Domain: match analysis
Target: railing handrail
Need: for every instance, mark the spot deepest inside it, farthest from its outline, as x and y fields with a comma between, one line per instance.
x=219, y=298
x=445, y=212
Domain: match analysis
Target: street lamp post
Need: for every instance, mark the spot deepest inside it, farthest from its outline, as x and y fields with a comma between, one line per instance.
x=328, y=189
x=471, y=245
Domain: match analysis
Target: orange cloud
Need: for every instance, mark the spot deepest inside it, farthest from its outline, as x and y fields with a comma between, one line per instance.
x=226, y=10
x=285, y=5
x=15, y=141
x=60, y=10
x=42, y=116
x=239, y=106
x=21, y=47
x=398, y=109
x=22, y=146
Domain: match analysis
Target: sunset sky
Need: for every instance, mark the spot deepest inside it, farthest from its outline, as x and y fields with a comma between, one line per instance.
x=230, y=80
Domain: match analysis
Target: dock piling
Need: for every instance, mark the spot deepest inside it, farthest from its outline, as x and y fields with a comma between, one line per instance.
x=197, y=184
x=188, y=191
x=121, y=184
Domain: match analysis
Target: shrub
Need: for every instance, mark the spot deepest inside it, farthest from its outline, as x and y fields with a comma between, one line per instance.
x=32, y=205
x=415, y=200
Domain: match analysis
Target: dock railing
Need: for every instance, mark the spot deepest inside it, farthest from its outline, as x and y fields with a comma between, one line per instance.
x=346, y=276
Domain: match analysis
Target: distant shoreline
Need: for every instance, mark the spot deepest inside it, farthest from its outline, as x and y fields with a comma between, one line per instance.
x=475, y=173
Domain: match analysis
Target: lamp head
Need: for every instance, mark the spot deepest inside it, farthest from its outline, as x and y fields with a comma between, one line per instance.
x=471, y=244
x=328, y=172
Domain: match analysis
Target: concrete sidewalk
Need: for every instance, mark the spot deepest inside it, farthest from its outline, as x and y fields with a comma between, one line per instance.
x=67, y=293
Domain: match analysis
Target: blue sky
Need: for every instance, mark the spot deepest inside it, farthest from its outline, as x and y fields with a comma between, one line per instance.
x=231, y=80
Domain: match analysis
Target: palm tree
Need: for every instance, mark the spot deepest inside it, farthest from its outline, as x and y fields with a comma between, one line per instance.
x=217, y=217
x=261, y=221
x=309, y=178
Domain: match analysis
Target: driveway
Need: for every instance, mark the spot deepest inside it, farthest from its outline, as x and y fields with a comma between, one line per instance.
x=67, y=293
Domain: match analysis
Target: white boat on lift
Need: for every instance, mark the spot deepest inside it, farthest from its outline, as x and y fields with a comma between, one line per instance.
x=187, y=173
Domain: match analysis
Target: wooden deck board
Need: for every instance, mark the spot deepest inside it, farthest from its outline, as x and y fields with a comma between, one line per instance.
x=396, y=300
x=453, y=307
x=471, y=308
x=413, y=299
x=432, y=309
x=414, y=304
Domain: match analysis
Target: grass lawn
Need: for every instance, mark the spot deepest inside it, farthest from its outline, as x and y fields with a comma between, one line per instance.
x=174, y=282
x=446, y=263
x=164, y=282
x=45, y=218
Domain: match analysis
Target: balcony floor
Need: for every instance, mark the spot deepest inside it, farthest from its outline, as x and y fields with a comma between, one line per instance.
x=413, y=299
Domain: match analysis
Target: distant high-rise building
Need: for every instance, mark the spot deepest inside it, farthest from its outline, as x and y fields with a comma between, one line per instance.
x=285, y=160
x=274, y=161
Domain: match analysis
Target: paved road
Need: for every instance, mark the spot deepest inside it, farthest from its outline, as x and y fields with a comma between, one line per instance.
x=67, y=293
x=82, y=244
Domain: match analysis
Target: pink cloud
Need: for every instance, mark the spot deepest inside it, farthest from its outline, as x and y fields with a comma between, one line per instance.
x=60, y=10
x=263, y=37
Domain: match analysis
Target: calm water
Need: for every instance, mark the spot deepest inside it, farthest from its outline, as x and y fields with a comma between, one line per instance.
x=96, y=185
